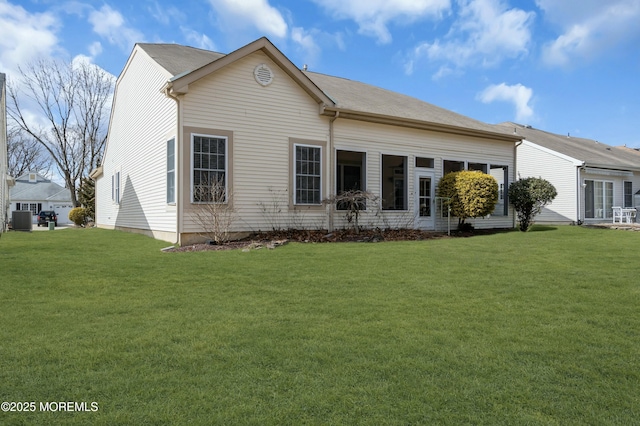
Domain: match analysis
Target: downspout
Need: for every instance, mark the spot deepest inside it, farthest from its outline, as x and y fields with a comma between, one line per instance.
x=515, y=171
x=332, y=169
x=580, y=220
x=179, y=205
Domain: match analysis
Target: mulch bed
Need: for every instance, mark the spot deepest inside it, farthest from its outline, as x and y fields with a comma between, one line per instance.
x=273, y=239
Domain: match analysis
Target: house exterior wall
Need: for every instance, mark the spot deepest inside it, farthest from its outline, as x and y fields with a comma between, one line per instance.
x=561, y=172
x=377, y=140
x=143, y=120
x=617, y=178
x=569, y=177
x=260, y=123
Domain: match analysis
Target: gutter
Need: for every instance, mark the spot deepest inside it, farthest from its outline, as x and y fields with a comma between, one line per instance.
x=168, y=92
x=418, y=124
x=515, y=170
x=580, y=191
x=332, y=169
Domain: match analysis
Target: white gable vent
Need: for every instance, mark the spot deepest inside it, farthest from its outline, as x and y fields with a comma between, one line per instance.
x=263, y=75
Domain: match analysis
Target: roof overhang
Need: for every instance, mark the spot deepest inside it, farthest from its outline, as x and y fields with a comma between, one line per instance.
x=179, y=85
x=607, y=171
x=418, y=124
x=96, y=173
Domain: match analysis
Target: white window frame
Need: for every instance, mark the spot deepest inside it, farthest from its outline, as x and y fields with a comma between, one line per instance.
x=171, y=172
x=415, y=162
x=607, y=213
x=115, y=187
x=295, y=174
x=226, y=167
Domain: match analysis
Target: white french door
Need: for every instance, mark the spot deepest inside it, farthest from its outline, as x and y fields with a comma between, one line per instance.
x=425, y=200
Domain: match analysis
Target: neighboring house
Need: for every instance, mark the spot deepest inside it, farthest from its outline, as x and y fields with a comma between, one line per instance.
x=34, y=192
x=590, y=177
x=281, y=140
x=5, y=180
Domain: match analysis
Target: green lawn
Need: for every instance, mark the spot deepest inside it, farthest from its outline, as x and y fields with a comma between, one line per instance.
x=513, y=328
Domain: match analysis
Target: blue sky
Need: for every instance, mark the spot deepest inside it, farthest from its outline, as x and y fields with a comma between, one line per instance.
x=565, y=66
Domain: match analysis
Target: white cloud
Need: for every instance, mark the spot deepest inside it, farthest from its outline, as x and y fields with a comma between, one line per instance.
x=166, y=15
x=95, y=49
x=374, y=16
x=517, y=94
x=310, y=43
x=110, y=24
x=590, y=28
x=485, y=33
x=258, y=13
x=306, y=42
x=197, y=39
x=25, y=36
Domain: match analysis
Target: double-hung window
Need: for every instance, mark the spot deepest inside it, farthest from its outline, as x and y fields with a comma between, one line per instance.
x=308, y=174
x=209, y=169
x=171, y=171
x=115, y=187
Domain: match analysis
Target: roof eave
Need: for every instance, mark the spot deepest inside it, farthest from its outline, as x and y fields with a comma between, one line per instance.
x=623, y=168
x=418, y=124
x=96, y=173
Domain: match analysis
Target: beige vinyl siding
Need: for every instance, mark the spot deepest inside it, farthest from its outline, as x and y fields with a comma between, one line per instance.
x=143, y=120
x=561, y=172
x=262, y=120
x=262, y=124
x=379, y=139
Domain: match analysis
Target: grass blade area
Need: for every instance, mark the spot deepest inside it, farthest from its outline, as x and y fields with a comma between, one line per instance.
x=512, y=328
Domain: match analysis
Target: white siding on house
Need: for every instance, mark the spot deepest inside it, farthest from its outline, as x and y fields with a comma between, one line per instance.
x=561, y=172
x=261, y=126
x=143, y=120
x=379, y=139
x=262, y=123
x=263, y=120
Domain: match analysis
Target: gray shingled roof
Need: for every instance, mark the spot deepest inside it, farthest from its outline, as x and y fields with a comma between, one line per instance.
x=178, y=59
x=591, y=152
x=41, y=190
x=347, y=94
x=362, y=97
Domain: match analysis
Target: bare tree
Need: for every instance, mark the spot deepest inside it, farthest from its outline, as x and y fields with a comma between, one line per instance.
x=213, y=212
x=24, y=153
x=71, y=103
x=352, y=202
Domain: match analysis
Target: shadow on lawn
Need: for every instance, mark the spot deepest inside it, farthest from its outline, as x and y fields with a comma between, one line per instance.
x=542, y=228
